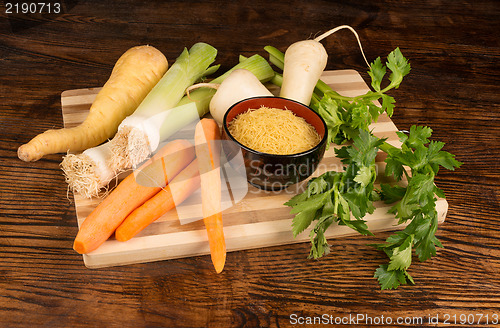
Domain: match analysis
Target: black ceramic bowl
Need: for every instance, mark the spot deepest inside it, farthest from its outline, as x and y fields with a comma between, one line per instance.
x=269, y=171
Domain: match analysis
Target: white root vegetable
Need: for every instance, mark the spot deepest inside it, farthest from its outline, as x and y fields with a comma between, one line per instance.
x=305, y=61
x=240, y=84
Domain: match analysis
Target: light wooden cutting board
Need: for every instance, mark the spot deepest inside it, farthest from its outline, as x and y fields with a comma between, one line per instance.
x=259, y=220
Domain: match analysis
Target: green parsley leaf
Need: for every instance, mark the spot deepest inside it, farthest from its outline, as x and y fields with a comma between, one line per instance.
x=426, y=240
x=399, y=67
x=364, y=176
x=394, y=167
x=391, y=279
x=329, y=110
x=388, y=104
x=419, y=136
x=306, y=211
x=443, y=158
x=319, y=243
x=377, y=72
x=401, y=256
x=302, y=220
x=392, y=194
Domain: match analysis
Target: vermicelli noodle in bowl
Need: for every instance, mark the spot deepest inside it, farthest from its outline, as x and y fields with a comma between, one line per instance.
x=282, y=141
x=273, y=131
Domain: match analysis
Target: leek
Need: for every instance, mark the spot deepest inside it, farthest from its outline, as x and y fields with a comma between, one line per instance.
x=188, y=68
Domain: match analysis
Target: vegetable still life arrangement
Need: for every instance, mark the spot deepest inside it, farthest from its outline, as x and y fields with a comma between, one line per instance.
x=146, y=101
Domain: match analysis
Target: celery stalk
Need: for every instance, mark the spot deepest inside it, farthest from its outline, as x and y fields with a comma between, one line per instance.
x=211, y=70
x=275, y=56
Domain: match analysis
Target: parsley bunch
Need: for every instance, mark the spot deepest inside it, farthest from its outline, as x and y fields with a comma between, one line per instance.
x=336, y=196
x=333, y=196
x=415, y=202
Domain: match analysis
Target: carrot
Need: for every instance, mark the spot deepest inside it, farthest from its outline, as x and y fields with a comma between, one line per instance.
x=207, y=147
x=135, y=73
x=180, y=188
x=128, y=195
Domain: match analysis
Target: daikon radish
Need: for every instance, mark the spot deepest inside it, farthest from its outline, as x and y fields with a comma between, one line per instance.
x=304, y=63
x=134, y=75
x=240, y=84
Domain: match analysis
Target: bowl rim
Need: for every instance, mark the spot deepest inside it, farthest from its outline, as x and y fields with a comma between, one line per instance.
x=306, y=152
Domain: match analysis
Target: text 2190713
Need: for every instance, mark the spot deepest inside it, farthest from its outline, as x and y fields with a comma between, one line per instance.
x=32, y=8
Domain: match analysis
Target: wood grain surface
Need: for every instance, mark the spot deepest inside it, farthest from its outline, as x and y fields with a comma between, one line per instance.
x=454, y=88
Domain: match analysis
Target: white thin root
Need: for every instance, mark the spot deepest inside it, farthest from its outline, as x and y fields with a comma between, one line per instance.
x=81, y=176
x=338, y=28
x=201, y=85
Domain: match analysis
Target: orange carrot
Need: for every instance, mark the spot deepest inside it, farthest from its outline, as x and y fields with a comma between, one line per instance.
x=180, y=188
x=127, y=196
x=207, y=147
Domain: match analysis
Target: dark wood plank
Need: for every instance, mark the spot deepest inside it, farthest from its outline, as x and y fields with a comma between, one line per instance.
x=454, y=87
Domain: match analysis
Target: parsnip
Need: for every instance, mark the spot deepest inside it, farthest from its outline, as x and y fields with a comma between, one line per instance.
x=134, y=75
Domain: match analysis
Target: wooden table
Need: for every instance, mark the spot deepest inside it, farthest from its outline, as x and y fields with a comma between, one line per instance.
x=453, y=87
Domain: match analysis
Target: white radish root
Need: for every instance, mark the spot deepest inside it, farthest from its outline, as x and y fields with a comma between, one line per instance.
x=305, y=61
x=239, y=85
x=341, y=27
